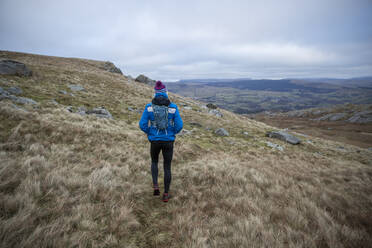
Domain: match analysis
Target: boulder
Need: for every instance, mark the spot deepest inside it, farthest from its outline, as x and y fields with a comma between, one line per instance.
x=100, y=112
x=284, y=137
x=11, y=67
x=109, y=66
x=22, y=100
x=15, y=91
x=221, y=132
x=74, y=87
x=143, y=79
x=337, y=116
x=274, y=146
x=62, y=92
x=215, y=112
x=184, y=132
x=188, y=107
x=361, y=117
x=211, y=106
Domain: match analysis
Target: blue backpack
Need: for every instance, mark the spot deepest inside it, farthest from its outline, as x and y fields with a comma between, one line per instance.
x=160, y=117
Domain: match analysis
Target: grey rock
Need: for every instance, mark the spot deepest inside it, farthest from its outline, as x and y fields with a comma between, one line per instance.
x=370, y=149
x=215, y=112
x=221, y=132
x=284, y=137
x=211, y=106
x=274, y=146
x=184, y=132
x=188, y=107
x=318, y=112
x=70, y=109
x=11, y=67
x=14, y=90
x=337, y=116
x=361, y=117
x=53, y=101
x=82, y=110
x=2, y=91
x=22, y=100
x=195, y=124
x=130, y=109
x=109, y=66
x=62, y=92
x=100, y=112
x=143, y=79
x=74, y=87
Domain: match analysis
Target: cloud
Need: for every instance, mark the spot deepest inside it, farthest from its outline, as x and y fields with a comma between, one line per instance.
x=183, y=39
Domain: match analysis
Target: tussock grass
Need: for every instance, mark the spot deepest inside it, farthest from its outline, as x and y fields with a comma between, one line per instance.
x=77, y=181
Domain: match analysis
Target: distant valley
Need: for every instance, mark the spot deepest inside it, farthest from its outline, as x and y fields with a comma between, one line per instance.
x=247, y=96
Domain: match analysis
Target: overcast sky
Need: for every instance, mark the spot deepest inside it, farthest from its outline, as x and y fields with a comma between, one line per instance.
x=173, y=39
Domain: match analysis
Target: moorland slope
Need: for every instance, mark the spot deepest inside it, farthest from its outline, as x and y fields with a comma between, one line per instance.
x=73, y=180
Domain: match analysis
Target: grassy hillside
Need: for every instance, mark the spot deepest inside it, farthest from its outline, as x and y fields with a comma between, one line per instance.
x=68, y=180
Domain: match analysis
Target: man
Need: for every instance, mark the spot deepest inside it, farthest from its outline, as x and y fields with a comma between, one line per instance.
x=161, y=121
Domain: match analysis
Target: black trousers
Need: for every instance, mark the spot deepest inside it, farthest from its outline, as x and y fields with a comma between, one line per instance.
x=167, y=149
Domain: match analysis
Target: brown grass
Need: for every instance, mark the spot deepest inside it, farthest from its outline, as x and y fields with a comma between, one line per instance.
x=73, y=181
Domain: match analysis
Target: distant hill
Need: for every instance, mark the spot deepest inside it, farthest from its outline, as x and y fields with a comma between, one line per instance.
x=246, y=96
x=75, y=170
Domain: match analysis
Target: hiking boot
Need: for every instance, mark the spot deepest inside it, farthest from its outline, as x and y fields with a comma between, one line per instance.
x=165, y=197
x=156, y=190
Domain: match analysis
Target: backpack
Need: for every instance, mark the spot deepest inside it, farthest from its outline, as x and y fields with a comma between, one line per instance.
x=160, y=117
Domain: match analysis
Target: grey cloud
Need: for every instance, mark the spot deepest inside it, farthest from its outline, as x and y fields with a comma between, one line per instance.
x=184, y=39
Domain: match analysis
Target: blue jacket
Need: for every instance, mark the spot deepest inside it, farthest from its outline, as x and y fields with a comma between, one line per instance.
x=175, y=123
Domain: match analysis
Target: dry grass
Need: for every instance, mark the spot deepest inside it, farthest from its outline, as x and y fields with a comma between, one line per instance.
x=73, y=181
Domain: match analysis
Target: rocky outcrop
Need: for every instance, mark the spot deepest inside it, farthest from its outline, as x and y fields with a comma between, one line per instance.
x=361, y=117
x=274, y=146
x=6, y=94
x=100, y=112
x=216, y=113
x=221, y=132
x=109, y=66
x=11, y=67
x=284, y=137
x=143, y=79
x=211, y=106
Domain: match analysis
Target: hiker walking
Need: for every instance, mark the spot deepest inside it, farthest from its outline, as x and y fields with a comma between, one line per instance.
x=161, y=121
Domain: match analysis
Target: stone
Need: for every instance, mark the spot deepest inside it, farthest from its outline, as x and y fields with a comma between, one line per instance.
x=215, y=112
x=143, y=79
x=22, y=100
x=82, y=110
x=211, y=106
x=361, y=117
x=11, y=67
x=337, y=116
x=109, y=66
x=221, y=132
x=15, y=91
x=53, y=101
x=70, y=109
x=100, y=112
x=62, y=92
x=74, y=87
x=184, y=132
x=130, y=109
x=195, y=124
x=274, y=146
x=2, y=91
x=284, y=137
x=188, y=107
